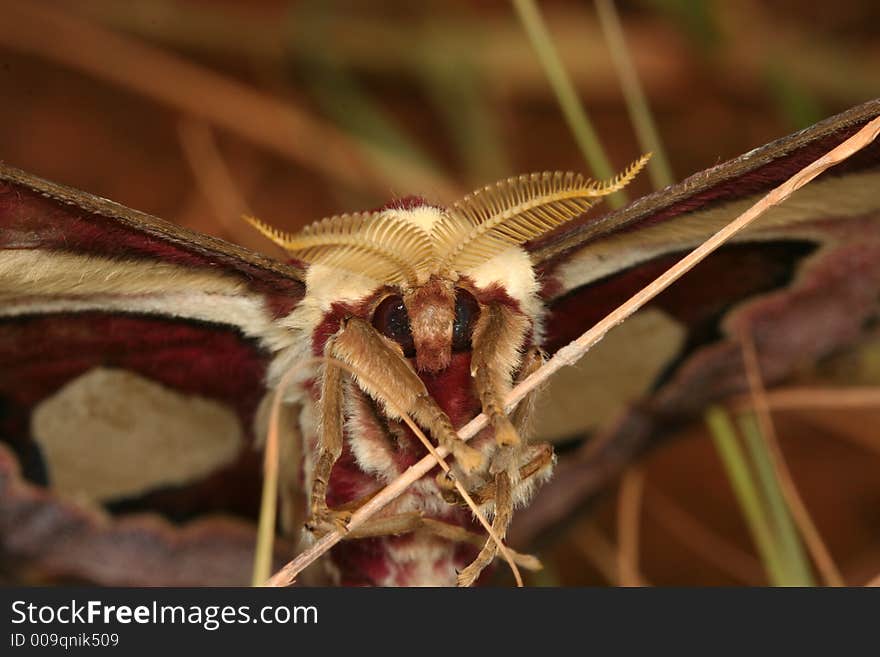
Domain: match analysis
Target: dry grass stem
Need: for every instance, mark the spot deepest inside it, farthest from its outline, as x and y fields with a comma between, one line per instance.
x=456, y=533
x=225, y=103
x=596, y=548
x=269, y=499
x=797, y=399
x=270, y=470
x=570, y=354
x=701, y=540
x=825, y=399
x=813, y=539
x=629, y=509
x=506, y=553
x=215, y=182
x=601, y=552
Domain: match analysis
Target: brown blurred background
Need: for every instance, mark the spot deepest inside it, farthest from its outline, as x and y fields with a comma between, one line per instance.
x=195, y=110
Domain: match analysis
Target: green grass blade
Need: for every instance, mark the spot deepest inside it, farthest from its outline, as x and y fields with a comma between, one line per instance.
x=795, y=560
x=746, y=491
x=637, y=105
x=794, y=101
x=453, y=84
x=574, y=112
x=339, y=93
x=697, y=18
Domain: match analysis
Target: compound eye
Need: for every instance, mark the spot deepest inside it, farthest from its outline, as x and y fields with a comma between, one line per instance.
x=392, y=321
x=467, y=310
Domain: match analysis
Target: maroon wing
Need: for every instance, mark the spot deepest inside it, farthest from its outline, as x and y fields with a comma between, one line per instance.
x=132, y=363
x=803, y=282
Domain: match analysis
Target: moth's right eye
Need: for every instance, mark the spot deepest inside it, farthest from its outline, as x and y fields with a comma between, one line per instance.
x=392, y=321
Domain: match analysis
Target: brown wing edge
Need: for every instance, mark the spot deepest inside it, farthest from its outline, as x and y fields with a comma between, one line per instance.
x=837, y=284
x=182, y=237
x=747, y=174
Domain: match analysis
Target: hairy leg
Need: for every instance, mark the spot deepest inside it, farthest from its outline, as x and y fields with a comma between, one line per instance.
x=390, y=379
x=329, y=450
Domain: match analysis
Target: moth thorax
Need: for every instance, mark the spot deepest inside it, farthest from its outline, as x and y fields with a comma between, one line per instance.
x=431, y=310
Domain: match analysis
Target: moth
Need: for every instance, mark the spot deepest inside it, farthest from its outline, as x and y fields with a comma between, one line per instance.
x=137, y=358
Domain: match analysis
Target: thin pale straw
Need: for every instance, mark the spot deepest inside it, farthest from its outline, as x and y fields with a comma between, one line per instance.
x=270, y=468
x=570, y=354
x=797, y=508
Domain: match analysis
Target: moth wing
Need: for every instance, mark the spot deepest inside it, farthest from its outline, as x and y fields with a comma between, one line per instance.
x=803, y=282
x=132, y=362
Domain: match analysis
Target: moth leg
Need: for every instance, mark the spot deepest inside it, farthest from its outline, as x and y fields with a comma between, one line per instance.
x=404, y=523
x=389, y=378
x=392, y=525
x=497, y=337
x=329, y=451
x=446, y=483
x=523, y=464
x=512, y=457
x=503, y=512
x=539, y=455
x=532, y=361
x=542, y=457
x=511, y=475
x=502, y=493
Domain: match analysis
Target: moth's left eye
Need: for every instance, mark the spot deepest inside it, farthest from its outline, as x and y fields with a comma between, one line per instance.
x=392, y=321
x=467, y=310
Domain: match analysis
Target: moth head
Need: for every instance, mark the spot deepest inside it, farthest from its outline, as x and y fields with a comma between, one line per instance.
x=427, y=259
x=429, y=322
